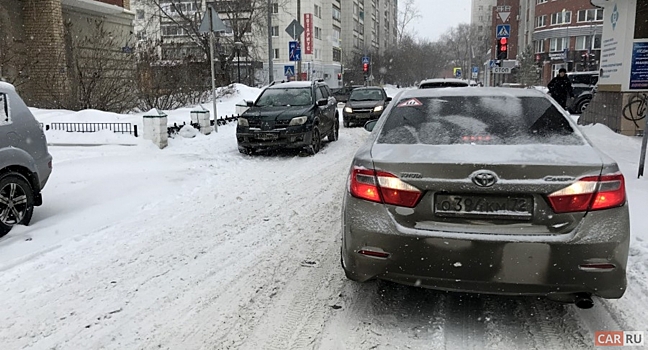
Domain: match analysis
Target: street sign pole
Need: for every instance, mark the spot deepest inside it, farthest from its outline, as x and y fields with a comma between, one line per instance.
x=270, y=50
x=299, y=64
x=644, y=146
x=213, y=74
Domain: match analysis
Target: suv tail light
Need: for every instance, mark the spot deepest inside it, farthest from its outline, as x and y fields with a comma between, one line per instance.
x=383, y=187
x=590, y=193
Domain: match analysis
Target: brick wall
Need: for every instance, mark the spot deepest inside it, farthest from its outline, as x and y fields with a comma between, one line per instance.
x=44, y=33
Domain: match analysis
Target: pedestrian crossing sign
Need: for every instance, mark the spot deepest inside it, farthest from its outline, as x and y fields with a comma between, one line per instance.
x=503, y=31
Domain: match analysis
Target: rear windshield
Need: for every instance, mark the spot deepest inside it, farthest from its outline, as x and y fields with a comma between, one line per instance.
x=442, y=84
x=471, y=119
x=285, y=97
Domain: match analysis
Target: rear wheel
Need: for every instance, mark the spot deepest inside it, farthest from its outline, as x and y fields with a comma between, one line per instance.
x=335, y=133
x=16, y=202
x=583, y=106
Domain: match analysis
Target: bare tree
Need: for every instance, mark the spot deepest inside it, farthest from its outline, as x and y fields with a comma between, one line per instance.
x=413, y=60
x=467, y=45
x=245, y=20
x=407, y=13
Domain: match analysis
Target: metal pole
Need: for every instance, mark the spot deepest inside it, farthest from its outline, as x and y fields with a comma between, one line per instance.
x=270, y=50
x=213, y=75
x=299, y=63
x=238, y=63
x=644, y=145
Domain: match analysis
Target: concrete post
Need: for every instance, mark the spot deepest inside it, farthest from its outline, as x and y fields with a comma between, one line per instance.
x=201, y=117
x=155, y=128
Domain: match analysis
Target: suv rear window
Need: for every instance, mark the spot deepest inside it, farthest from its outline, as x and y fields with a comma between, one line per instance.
x=494, y=120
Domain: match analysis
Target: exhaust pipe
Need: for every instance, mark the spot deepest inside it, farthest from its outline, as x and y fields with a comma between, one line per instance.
x=583, y=301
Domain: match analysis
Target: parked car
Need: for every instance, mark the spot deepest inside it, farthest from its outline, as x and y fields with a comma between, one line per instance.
x=441, y=83
x=583, y=84
x=489, y=190
x=365, y=104
x=25, y=163
x=342, y=94
x=289, y=115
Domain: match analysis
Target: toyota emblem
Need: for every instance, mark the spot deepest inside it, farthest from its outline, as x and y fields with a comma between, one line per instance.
x=484, y=178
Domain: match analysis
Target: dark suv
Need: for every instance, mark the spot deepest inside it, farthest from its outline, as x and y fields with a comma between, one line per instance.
x=289, y=115
x=583, y=84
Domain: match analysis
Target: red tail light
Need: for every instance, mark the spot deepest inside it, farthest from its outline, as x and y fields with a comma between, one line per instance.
x=383, y=187
x=590, y=193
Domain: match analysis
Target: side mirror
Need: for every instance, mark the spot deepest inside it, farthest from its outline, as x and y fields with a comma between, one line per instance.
x=388, y=99
x=250, y=103
x=323, y=102
x=370, y=125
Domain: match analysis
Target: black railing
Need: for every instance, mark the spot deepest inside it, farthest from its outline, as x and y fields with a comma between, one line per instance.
x=121, y=128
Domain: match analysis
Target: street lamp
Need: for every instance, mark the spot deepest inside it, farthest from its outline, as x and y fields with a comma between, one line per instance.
x=238, y=46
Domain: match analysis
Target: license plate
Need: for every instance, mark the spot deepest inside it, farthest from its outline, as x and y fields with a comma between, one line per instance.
x=484, y=206
x=363, y=116
x=267, y=136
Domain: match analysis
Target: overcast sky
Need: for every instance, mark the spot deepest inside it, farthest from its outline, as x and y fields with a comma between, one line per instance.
x=437, y=16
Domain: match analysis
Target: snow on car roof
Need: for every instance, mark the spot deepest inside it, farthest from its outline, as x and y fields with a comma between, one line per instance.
x=440, y=80
x=6, y=86
x=292, y=84
x=468, y=91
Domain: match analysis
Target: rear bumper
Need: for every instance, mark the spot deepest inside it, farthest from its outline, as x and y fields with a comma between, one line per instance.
x=284, y=139
x=520, y=265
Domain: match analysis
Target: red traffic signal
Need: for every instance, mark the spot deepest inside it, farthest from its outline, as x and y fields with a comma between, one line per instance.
x=365, y=67
x=502, y=49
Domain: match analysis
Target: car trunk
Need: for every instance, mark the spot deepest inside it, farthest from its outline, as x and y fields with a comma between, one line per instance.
x=515, y=204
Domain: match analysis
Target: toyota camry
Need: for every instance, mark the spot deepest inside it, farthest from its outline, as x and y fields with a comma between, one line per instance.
x=488, y=190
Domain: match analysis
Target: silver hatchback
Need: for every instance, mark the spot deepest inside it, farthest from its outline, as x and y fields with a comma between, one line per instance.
x=487, y=191
x=25, y=163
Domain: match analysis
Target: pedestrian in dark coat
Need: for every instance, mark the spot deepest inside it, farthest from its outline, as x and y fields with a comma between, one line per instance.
x=560, y=88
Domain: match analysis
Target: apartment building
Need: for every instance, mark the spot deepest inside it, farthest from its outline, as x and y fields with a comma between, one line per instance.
x=482, y=13
x=567, y=34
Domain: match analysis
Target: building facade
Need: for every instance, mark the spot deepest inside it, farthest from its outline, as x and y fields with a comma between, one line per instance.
x=43, y=41
x=567, y=34
x=482, y=12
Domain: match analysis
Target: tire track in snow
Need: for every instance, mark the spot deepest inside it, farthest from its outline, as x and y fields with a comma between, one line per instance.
x=465, y=325
x=551, y=325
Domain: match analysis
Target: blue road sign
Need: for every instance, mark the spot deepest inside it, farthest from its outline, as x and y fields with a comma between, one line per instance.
x=294, y=51
x=289, y=71
x=365, y=60
x=458, y=73
x=503, y=31
x=475, y=69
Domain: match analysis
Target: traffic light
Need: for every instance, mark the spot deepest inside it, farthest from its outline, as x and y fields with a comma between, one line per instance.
x=502, y=49
x=339, y=76
x=365, y=67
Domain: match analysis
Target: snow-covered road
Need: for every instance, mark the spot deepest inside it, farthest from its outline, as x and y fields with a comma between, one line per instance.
x=199, y=247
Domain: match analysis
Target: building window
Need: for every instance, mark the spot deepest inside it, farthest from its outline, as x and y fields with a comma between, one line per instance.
x=318, y=54
x=590, y=15
x=541, y=21
x=558, y=44
x=318, y=11
x=337, y=55
x=538, y=2
x=275, y=31
x=561, y=18
x=337, y=15
x=555, y=68
x=276, y=54
x=597, y=42
x=318, y=33
x=140, y=14
x=581, y=42
x=275, y=8
x=539, y=46
x=172, y=30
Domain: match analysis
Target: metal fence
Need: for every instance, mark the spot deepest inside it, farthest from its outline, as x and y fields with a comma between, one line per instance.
x=121, y=128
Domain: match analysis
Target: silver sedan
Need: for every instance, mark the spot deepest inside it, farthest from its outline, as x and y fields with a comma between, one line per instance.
x=486, y=191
